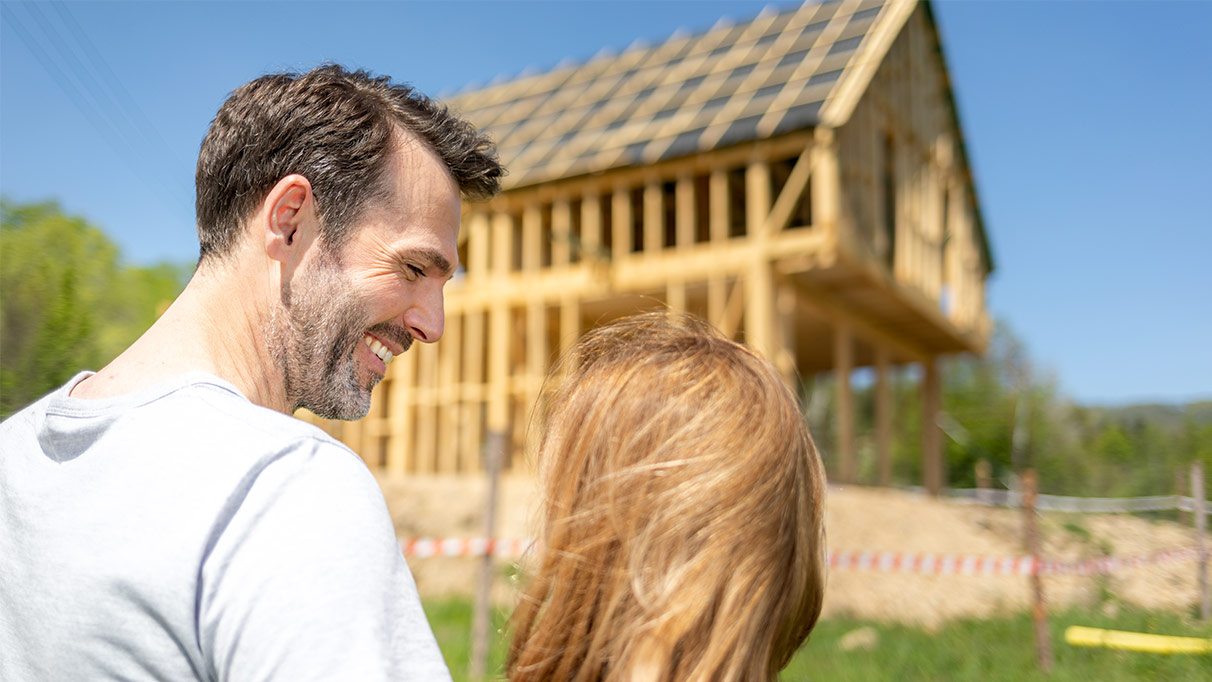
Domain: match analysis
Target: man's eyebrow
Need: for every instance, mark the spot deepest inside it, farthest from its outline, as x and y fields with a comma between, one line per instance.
x=434, y=259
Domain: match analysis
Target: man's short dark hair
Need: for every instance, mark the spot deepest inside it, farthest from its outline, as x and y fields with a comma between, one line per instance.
x=337, y=129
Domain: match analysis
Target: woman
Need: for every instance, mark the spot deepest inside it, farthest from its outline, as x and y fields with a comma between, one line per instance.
x=682, y=535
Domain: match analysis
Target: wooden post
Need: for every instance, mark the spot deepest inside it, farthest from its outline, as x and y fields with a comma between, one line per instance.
x=1180, y=490
x=984, y=480
x=620, y=216
x=883, y=417
x=759, y=285
x=932, y=441
x=1039, y=615
x=1201, y=527
x=843, y=364
x=494, y=446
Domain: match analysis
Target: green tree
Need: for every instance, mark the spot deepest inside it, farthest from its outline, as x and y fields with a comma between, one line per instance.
x=67, y=302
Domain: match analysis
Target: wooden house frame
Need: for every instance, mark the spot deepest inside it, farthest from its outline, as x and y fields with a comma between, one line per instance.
x=799, y=180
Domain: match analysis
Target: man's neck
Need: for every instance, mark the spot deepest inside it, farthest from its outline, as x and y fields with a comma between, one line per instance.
x=217, y=326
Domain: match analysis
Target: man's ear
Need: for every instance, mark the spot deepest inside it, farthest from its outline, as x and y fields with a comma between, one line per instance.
x=290, y=221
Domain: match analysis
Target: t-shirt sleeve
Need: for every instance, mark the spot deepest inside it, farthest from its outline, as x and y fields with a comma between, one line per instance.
x=306, y=581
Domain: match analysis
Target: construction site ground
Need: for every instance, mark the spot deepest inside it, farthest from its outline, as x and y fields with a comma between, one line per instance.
x=858, y=519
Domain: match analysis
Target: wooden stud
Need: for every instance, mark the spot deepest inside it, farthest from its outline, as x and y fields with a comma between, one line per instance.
x=473, y=380
x=591, y=227
x=561, y=233
x=684, y=211
x=843, y=365
x=933, y=471
x=883, y=416
x=654, y=218
x=532, y=235
x=721, y=205
x=620, y=215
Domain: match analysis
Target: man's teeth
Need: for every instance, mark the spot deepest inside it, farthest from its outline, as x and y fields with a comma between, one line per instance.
x=378, y=349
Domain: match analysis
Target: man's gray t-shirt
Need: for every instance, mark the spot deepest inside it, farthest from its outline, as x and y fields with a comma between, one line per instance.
x=185, y=533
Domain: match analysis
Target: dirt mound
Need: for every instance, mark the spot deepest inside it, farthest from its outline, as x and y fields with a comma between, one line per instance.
x=868, y=519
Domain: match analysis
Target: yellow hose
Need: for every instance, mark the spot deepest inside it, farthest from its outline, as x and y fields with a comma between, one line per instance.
x=1136, y=641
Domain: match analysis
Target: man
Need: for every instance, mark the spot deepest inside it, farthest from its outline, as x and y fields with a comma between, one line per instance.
x=165, y=518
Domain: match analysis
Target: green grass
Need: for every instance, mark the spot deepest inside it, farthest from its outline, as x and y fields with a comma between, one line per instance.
x=998, y=650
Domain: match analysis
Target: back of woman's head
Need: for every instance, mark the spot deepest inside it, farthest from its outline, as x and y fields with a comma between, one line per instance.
x=682, y=536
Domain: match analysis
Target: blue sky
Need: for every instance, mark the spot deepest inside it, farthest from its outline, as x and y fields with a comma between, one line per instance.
x=1086, y=124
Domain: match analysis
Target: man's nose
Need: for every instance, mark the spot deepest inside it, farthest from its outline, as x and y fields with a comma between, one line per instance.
x=426, y=317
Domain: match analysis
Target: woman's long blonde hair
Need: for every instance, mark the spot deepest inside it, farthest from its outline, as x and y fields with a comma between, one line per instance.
x=682, y=537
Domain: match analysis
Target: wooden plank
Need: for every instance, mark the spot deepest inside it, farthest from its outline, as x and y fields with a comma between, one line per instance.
x=591, y=226
x=826, y=189
x=675, y=295
x=785, y=359
x=400, y=431
x=477, y=246
x=500, y=334
x=654, y=218
x=427, y=418
x=933, y=471
x=883, y=416
x=620, y=216
x=532, y=235
x=449, y=411
x=502, y=244
x=570, y=322
x=720, y=203
x=684, y=214
x=759, y=284
x=561, y=232
x=472, y=393
x=793, y=190
x=843, y=365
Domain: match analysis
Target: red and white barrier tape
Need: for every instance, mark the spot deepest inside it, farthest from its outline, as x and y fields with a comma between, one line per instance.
x=883, y=562
x=424, y=548
x=953, y=564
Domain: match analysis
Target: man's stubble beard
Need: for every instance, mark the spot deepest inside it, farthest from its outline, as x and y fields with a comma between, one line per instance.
x=313, y=336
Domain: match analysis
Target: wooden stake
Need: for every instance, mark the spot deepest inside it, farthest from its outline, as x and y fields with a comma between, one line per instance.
x=494, y=446
x=1039, y=615
x=1201, y=527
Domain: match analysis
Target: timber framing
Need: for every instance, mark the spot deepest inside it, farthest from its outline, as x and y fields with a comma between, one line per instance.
x=798, y=180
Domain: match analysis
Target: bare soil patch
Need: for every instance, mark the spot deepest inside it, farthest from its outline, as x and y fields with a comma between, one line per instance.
x=857, y=518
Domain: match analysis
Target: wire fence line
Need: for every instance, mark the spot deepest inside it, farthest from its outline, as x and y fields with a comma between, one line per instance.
x=991, y=497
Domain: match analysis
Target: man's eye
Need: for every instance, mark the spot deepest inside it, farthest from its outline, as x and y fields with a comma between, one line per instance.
x=414, y=272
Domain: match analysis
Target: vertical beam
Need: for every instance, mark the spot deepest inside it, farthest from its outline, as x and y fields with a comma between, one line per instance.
x=843, y=365
x=537, y=353
x=675, y=295
x=477, y=246
x=825, y=187
x=570, y=322
x=620, y=216
x=591, y=227
x=785, y=359
x=561, y=232
x=502, y=244
x=759, y=304
x=498, y=367
x=427, y=421
x=883, y=417
x=718, y=199
x=684, y=217
x=932, y=440
x=449, y=411
x=654, y=218
x=473, y=389
x=717, y=298
x=532, y=236
x=400, y=432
